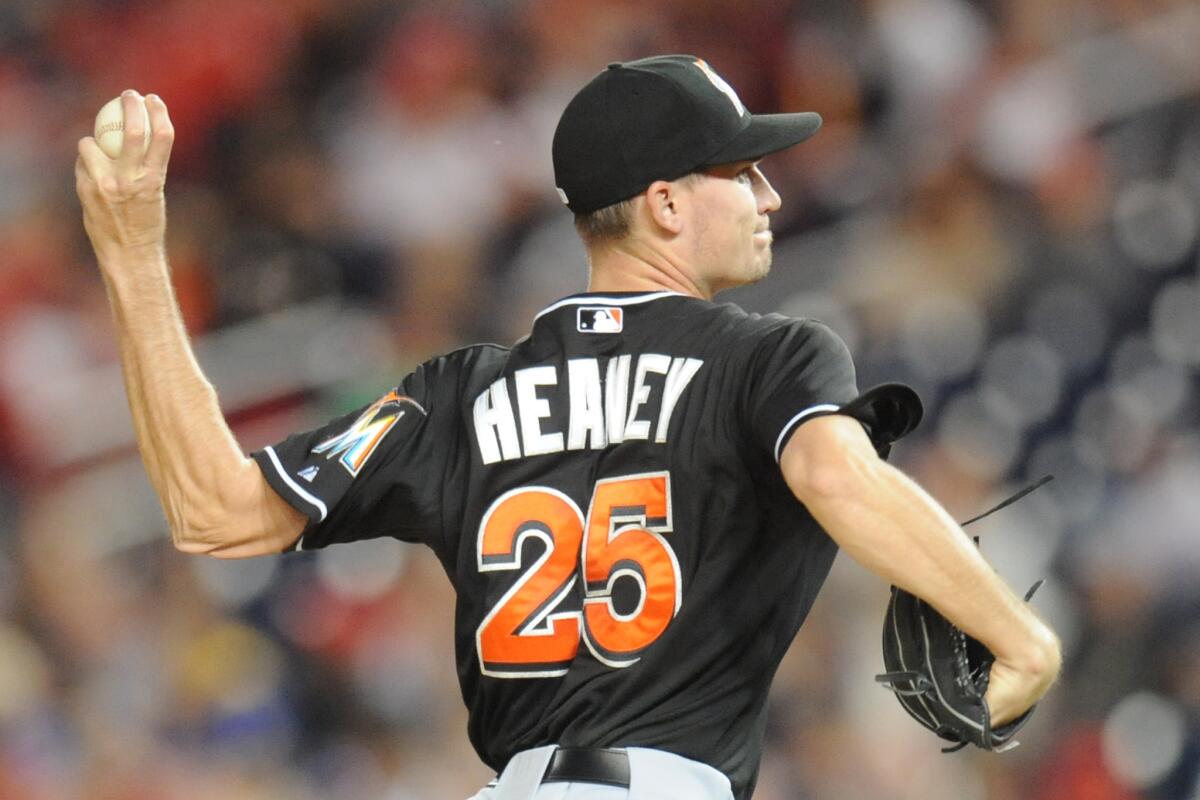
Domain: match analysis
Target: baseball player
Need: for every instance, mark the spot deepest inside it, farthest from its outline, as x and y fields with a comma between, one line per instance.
x=636, y=504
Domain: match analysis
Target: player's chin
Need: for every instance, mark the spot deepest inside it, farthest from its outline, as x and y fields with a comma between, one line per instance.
x=762, y=262
x=756, y=269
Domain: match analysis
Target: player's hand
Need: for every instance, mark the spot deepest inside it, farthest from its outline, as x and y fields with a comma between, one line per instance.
x=124, y=211
x=1013, y=689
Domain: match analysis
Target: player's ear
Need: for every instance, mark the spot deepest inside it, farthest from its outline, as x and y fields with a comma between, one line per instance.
x=665, y=205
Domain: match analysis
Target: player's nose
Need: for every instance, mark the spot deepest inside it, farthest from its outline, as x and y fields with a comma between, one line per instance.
x=768, y=198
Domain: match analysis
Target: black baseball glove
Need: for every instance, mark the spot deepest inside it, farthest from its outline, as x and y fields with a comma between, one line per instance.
x=940, y=674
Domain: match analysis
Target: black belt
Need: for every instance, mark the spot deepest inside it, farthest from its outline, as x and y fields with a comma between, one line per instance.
x=604, y=765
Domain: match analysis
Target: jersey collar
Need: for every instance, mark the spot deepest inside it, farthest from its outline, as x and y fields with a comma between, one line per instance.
x=608, y=299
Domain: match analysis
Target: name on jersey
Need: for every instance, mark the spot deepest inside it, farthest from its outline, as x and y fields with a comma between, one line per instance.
x=628, y=404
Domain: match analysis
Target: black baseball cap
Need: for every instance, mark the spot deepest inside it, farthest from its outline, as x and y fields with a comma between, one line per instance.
x=658, y=118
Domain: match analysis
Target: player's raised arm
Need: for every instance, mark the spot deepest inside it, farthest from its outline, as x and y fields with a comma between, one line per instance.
x=215, y=498
x=891, y=526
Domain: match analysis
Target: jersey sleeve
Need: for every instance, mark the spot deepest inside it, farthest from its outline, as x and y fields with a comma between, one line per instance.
x=803, y=370
x=374, y=472
x=800, y=370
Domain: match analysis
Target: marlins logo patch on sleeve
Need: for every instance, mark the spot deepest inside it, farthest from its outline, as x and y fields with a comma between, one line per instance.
x=353, y=447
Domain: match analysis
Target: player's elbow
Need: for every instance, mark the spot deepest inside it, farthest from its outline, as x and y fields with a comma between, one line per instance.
x=205, y=528
x=221, y=543
x=198, y=537
x=190, y=545
x=193, y=529
x=236, y=517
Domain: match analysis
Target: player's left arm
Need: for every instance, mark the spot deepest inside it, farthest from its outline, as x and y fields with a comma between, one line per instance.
x=891, y=526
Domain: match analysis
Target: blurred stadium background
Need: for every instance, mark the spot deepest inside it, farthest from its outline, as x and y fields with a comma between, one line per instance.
x=1003, y=210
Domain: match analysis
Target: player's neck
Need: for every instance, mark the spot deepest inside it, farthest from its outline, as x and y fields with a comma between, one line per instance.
x=616, y=270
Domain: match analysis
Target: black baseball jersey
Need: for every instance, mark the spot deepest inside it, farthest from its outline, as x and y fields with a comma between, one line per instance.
x=606, y=498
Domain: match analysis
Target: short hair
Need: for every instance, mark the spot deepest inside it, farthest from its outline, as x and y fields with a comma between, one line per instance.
x=612, y=223
x=605, y=225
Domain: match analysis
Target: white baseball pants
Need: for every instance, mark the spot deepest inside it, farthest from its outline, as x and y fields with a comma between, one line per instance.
x=653, y=775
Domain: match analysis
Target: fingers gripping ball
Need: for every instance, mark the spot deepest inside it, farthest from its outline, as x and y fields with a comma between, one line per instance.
x=110, y=127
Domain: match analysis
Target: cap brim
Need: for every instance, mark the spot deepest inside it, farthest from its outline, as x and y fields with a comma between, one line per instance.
x=766, y=134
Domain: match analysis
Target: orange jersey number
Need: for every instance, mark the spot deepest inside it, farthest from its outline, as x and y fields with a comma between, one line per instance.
x=523, y=636
x=624, y=539
x=533, y=631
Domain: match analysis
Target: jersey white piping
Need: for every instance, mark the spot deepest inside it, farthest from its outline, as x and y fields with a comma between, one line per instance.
x=600, y=300
x=791, y=423
x=295, y=487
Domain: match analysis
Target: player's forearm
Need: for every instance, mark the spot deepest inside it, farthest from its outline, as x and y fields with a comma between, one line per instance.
x=891, y=526
x=131, y=376
x=911, y=541
x=190, y=455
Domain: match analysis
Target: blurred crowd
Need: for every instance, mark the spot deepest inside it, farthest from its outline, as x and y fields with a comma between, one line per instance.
x=1002, y=210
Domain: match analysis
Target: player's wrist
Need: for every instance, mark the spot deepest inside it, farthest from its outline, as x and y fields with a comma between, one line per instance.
x=132, y=246
x=1045, y=657
x=1038, y=660
x=133, y=271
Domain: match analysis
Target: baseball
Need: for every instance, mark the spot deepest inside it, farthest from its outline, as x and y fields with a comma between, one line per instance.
x=110, y=127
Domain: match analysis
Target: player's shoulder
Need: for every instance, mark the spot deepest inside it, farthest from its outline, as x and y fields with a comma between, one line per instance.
x=465, y=368
x=735, y=325
x=481, y=355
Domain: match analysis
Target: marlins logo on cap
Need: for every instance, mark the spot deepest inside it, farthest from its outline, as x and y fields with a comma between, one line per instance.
x=721, y=85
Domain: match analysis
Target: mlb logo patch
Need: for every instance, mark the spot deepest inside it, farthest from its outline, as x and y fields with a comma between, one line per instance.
x=600, y=319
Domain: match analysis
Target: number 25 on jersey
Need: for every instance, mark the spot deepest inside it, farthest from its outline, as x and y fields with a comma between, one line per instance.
x=529, y=633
